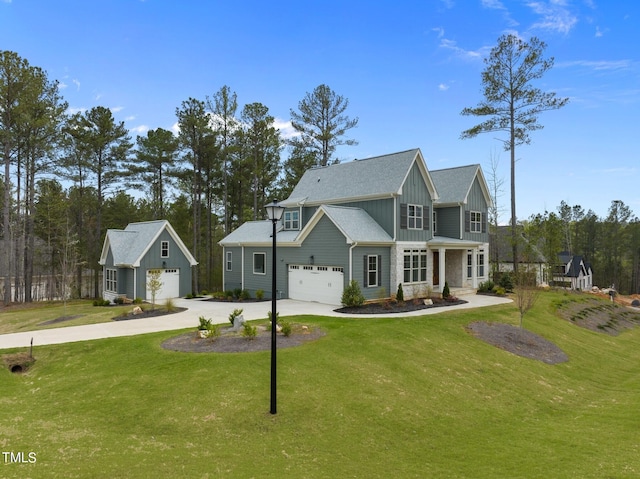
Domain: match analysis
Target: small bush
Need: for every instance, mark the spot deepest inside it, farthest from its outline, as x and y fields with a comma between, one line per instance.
x=234, y=315
x=506, y=281
x=101, y=302
x=119, y=300
x=213, y=331
x=286, y=328
x=189, y=296
x=352, y=296
x=400, y=294
x=260, y=294
x=499, y=290
x=486, y=287
x=249, y=331
x=269, y=314
x=204, y=323
x=137, y=301
x=170, y=305
x=244, y=295
x=446, y=292
x=237, y=293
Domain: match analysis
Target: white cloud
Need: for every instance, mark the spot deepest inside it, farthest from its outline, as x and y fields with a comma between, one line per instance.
x=439, y=31
x=175, y=128
x=116, y=109
x=555, y=16
x=140, y=129
x=62, y=85
x=600, y=65
x=443, y=87
x=494, y=4
x=461, y=52
x=286, y=130
x=76, y=83
x=130, y=118
x=74, y=110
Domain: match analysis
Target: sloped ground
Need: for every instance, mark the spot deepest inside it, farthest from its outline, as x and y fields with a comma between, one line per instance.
x=597, y=314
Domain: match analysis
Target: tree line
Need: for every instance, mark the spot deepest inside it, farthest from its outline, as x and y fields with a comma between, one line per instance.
x=67, y=177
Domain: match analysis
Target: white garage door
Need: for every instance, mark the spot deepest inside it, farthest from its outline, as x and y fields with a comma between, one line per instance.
x=322, y=284
x=170, y=288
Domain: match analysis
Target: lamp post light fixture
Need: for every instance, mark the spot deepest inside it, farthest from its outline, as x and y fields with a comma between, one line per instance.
x=274, y=212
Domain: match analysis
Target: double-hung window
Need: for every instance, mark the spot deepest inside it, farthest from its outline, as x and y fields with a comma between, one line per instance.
x=111, y=280
x=476, y=222
x=414, y=217
x=372, y=270
x=229, y=261
x=291, y=220
x=164, y=249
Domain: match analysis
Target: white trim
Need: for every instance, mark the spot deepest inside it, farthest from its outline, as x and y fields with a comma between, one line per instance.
x=264, y=264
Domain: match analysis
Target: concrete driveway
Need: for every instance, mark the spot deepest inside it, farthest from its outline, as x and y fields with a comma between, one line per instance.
x=218, y=312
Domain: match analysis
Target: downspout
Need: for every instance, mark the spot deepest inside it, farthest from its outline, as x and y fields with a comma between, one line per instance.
x=242, y=268
x=353, y=245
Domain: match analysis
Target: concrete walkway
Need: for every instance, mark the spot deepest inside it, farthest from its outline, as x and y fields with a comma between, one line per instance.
x=218, y=312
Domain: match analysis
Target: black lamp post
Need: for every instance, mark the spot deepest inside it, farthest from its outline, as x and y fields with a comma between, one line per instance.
x=274, y=212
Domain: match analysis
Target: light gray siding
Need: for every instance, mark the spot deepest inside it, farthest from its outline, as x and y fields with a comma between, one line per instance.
x=233, y=278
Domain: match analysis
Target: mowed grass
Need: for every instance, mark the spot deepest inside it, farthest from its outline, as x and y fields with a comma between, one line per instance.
x=33, y=316
x=375, y=398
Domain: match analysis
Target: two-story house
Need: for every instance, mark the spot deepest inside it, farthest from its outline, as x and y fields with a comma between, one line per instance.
x=381, y=221
x=573, y=272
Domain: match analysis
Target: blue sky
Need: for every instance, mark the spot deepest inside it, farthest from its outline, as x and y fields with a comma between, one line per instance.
x=407, y=67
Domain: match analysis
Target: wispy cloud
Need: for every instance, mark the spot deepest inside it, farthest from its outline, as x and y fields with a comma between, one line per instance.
x=140, y=130
x=443, y=87
x=74, y=110
x=130, y=118
x=599, y=65
x=461, y=52
x=76, y=83
x=555, y=16
x=116, y=109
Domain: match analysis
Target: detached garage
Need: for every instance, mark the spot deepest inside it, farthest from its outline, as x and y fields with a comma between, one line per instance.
x=129, y=255
x=323, y=284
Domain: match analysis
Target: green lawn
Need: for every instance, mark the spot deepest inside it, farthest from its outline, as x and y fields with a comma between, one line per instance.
x=375, y=398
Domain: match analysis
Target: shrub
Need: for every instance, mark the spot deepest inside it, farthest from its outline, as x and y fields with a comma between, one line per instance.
x=244, y=295
x=237, y=293
x=260, y=294
x=269, y=314
x=286, y=328
x=213, y=331
x=189, y=296
x=101, y=302
x=352, y=296
x=170, y=305
x=486, y=287
x=249, y=331
x=445, y=291
x=506, y=281
x=119, y=300
x=499, y=290
x=400, y=294
x=137, y=301
x=204, y=323
x=234, y=315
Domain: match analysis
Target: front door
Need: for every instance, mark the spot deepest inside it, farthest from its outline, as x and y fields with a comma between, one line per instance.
x=436, y=268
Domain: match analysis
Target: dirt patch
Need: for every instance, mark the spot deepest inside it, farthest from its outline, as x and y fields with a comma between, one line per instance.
x=18, y=362
x=395, y=307
x=61, y=319
x=149, y=313
x=233, y=342
x=518, y=341
x=599, y=315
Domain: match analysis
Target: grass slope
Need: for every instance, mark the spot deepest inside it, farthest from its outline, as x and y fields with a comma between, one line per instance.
x=410, y=397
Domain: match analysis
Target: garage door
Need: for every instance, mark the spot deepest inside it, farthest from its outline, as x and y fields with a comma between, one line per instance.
x=170, y=288
x=322, y=284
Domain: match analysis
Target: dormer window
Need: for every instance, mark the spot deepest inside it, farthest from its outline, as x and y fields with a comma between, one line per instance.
x=164, y=249
x=291, y=220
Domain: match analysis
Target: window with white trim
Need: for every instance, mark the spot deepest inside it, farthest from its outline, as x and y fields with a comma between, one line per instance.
x=229, y=260
x=415, y=265
x=479, y=264
x=111, y=280
x=164, y=249
x=475, y=224
x=435, y=222
x=291, y=220
x=372, y=270
x=414, y=217
x=259, y=263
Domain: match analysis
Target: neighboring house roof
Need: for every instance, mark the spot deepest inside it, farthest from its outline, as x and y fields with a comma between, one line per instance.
x=354, y=223
x=454, y=184
x=377, y=177
x=129, y=246
x=576, y=264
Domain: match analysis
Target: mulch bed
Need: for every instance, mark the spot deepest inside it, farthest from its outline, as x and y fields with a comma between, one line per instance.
x=233, y=342
x=518, y=341
x=61, y=319
x=600, y=316
x=149, y=313
x=408, y=306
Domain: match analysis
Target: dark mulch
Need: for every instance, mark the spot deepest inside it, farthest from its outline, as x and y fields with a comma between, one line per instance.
x=149, y=313
x=233, y=342
x=389, y=307
x=600, y=316
x=61, y=319
x=518, y=341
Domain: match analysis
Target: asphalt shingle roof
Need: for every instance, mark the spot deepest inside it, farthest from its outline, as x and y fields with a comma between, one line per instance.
x=454, y=184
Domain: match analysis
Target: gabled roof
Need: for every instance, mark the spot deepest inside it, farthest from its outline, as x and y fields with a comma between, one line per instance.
x=454, y=184
x=371, y=178
x=129, y=246
x=354, y=223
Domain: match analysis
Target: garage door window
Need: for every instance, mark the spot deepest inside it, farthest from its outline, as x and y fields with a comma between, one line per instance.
x=259, y=262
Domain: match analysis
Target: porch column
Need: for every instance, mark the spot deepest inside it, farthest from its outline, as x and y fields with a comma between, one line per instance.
x=474, y=268
x=442, y=265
